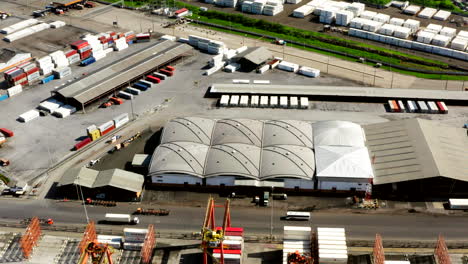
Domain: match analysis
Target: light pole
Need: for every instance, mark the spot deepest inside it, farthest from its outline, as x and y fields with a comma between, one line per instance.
x=84, y=204
x=271, y=214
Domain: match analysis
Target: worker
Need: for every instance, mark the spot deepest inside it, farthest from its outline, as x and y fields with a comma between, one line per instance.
x=50, y=221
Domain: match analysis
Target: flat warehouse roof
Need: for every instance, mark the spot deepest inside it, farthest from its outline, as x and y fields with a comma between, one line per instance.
x=102, y=81
x=347, y=91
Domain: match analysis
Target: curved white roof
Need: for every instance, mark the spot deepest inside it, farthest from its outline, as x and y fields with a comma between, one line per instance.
x=287, y=161
x=233, y=159
x=190, y=129
x=338, y=133
x=179, y=157
x=287, y=132
x=247, y=131
x=343, y=162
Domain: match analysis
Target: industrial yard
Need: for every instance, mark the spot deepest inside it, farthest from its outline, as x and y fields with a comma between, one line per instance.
x=124, y=140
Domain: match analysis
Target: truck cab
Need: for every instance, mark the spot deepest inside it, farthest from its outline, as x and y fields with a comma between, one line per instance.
x=121, y=219
x=266, y=198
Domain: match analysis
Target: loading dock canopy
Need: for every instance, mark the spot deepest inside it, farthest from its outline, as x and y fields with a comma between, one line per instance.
x=415, y=149
x=330, y=91
x=118, y=73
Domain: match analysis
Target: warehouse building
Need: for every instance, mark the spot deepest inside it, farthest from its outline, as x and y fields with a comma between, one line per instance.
x=416, y=158
x=251, y=58
x=342, y=159
x=115, y=184
x=118, y=75
x=231, y=152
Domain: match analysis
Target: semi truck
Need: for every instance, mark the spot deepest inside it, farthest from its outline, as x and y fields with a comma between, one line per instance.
x=123, y=219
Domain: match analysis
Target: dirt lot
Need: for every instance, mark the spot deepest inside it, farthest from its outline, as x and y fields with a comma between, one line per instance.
x=312, y=24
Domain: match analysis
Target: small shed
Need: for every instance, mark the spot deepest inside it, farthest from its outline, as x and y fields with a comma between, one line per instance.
x=251, y=58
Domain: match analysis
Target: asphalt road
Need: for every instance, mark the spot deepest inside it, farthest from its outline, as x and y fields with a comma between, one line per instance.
x=256, y=221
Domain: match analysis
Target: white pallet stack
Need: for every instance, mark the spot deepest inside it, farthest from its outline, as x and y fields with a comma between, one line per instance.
x=247, y=7
x=412, y=24
x=412, y=10
x=397, y=21
x=328, y=15
x=441, y=40
x=401, y=32
x=427, y=13
x=293, y=1
x=425, y=37
x=273, y=7
x=368, y=14
x=459, y=44
x=434, y=28
x=344, y=17
x=257, y=6
x=442, y=15
x=356, y=8
x=448, y=31
x=387, y=29
x=358, y=22
x=372, y=26
x=382, y=18
x=303, y=11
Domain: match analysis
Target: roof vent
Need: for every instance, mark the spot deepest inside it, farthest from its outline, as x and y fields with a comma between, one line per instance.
x=188, y=123
x=237, y=124
x=233, y=151
x=287, y=153
x=179, y=150
x=287, y=126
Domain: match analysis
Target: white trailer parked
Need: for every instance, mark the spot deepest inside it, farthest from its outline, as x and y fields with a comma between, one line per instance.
x=264, y=101
x=244, y=101
x=432, y=107
x=304, y=103
x=423, y=107
x=234, y=100
x=401, y=106
x=412, y=108
x=274, y=101
x=293, y=102
x=283, y=101
x=254, y=101
x=460, y=204
x=28, y=116
x=224, y=101
x=121, y=219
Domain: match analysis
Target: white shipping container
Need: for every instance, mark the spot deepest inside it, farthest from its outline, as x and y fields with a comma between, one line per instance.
x=264, y=101
x=412, y=9
x=283, y=101
x=15, y=90
x=427, y=13
x=121, y=120
x=368, y=14
x=432, y=107
x=423, y=107
x=310, y=72
x=28, y=116
x=133, y=246
x=288, y=66
x=293, y=102
x=106, y=126
x=397, y=21
x=442, y=15
x=19, y=25
x=274, y=101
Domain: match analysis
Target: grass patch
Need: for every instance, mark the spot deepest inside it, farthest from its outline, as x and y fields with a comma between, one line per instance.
x=4, y=178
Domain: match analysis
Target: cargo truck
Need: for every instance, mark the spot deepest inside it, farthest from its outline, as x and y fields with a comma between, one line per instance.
x=458, y=204
x=123, y=219
x=266, y=198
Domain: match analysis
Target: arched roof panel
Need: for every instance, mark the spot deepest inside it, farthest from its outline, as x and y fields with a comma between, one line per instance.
x=245, y=131
x=287, y=161
x=338, y=133
x=190, y=129
x=287, y=132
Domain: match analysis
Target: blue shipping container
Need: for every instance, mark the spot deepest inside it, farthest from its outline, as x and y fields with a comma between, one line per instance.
x=140, y=86
x=3, y=97
x=130, y=42
x=88, y=61
x=48, y=79
x=145, y=84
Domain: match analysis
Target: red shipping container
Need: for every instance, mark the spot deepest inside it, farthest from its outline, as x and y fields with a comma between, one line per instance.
x=102, y=39
x=110, y=40
x=7, y=132
x=82, y=143
x=19, y=77
x=36, y=69
x=86, y=54
x=228, y=251
x=23, y=83
x=234, y=231
x=84, y=48
x=166, y=72
x=70, y=53
x=153, y=79
x=79, y=44
x=107, y=130
x=111, y=33
x=170, y=68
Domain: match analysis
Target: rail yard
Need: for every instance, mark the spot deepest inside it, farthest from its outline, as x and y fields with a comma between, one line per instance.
x=148, y=135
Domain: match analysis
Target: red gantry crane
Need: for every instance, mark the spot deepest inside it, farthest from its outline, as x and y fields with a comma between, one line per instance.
x=212, y=238
x=90, y=248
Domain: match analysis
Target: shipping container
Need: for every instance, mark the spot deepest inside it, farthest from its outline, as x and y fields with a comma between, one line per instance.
x=391, y=106
x=244, y=101
x=170, y=68
x=82, y=143
x=107, y=130
x=133, y=91
x=401, y=106
x=423, y=107
x=412, y=108
x=263, y=101
x=153, y=79
x=150, y=84
x=6, y=132
x=166, y=72
x=124, y=95
x=234, y=231
x=94, y=134
x=283, y=101
x=121, y=120
x=293, y=102
x=88, y=61
x=432, y=107
x=141, y=86
x=159, y=76
x=442, y=107
x=459, y=204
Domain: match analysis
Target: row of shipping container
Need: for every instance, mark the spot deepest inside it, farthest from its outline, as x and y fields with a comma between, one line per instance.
x=429, y=107
x=264, y=101
x=95, y=132
x=149, y=82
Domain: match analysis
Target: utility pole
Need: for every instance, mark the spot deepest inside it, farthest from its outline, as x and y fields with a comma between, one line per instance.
x=271, y=214
x=82, y=198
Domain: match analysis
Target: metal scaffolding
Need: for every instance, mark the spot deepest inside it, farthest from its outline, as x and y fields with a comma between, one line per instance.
x=441, y=251
x=378, y=253
x=29, y=240
x=88, y=236
x=148, y=246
